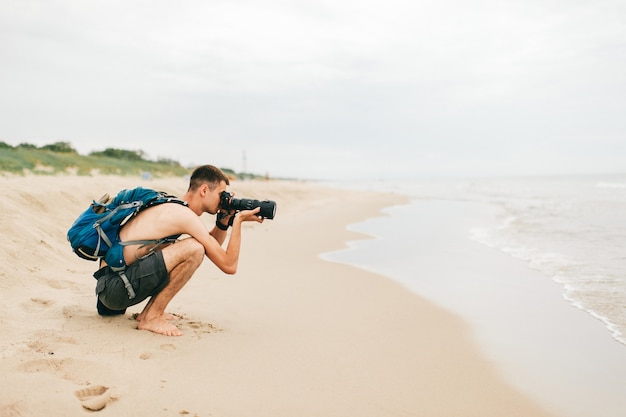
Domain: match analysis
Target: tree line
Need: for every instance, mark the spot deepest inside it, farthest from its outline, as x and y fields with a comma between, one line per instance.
x=66, y=147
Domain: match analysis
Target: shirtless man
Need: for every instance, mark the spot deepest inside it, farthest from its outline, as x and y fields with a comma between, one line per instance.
x=163, y=273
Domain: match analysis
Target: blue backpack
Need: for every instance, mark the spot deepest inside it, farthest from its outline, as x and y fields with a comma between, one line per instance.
x=95, y=233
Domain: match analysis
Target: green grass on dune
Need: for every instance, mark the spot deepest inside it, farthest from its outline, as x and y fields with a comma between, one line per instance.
x=22, y=161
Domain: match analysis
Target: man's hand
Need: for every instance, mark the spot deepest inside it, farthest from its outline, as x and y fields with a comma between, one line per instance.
x=249, y=216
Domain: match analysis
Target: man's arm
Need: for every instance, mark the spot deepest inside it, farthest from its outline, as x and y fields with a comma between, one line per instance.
x=172, y=219
x=220, y=234
x=225, y=259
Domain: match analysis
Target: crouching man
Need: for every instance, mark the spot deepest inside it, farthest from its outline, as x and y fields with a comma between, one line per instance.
x=160, y=274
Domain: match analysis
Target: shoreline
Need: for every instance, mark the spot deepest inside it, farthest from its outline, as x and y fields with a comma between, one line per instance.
x=290, y=334
x=559, y=354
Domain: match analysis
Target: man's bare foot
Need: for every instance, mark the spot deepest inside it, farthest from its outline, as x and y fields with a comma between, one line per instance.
x=168, y=317
x=159, y=325
x=172, y=317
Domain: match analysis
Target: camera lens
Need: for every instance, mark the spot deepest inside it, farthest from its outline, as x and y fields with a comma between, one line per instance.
x=268, y=208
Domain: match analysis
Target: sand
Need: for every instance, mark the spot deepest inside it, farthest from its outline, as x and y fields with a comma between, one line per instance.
x=289, y=335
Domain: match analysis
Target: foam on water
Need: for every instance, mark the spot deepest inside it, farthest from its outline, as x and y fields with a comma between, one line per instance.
x=573, y=230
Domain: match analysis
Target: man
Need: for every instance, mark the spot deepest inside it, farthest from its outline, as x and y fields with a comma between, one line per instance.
x=162, y=273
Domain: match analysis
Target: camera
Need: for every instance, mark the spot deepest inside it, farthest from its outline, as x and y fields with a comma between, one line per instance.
x=228, y=203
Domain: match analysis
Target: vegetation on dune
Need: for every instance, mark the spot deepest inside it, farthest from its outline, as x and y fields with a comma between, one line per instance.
x=61, y=157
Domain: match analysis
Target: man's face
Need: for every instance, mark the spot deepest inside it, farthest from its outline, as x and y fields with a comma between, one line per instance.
x=213, y=198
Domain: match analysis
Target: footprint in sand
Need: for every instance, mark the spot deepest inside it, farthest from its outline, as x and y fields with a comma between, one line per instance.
x=168, y=347
x=94, y=398
x=35, y=305
x=48, y=341
x=59, y=284
x=71, y=311
x=201, y=328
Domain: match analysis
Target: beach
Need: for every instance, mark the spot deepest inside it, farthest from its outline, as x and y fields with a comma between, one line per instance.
x=291, y=334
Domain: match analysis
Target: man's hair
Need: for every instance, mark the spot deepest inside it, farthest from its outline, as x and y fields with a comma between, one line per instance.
x=207, y=174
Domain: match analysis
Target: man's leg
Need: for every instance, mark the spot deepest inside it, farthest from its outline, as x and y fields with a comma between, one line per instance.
x=182, y=259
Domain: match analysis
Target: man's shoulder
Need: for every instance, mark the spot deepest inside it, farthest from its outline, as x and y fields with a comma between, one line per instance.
x=168, y=206
x=165, y=211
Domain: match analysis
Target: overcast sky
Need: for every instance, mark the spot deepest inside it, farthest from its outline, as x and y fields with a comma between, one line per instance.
x=324, y=88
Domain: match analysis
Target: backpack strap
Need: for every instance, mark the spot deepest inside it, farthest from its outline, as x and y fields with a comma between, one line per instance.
x=155, y=242
x=129, y=288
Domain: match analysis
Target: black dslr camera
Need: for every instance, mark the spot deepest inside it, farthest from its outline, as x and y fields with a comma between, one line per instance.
x=228, y=203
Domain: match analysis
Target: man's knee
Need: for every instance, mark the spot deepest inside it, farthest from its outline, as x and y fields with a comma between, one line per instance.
x=191, y=251
x=195, y=250
x=187, y=251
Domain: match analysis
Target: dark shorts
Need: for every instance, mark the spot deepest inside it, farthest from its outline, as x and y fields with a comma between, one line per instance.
x=147, y=276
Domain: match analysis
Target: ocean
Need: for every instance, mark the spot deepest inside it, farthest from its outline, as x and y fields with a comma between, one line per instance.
x=569, y=231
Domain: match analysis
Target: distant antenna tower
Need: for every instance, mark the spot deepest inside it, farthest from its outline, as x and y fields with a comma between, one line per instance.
x=244, y=164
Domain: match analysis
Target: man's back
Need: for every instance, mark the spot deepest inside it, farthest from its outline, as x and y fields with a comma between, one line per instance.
x=164, y=220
